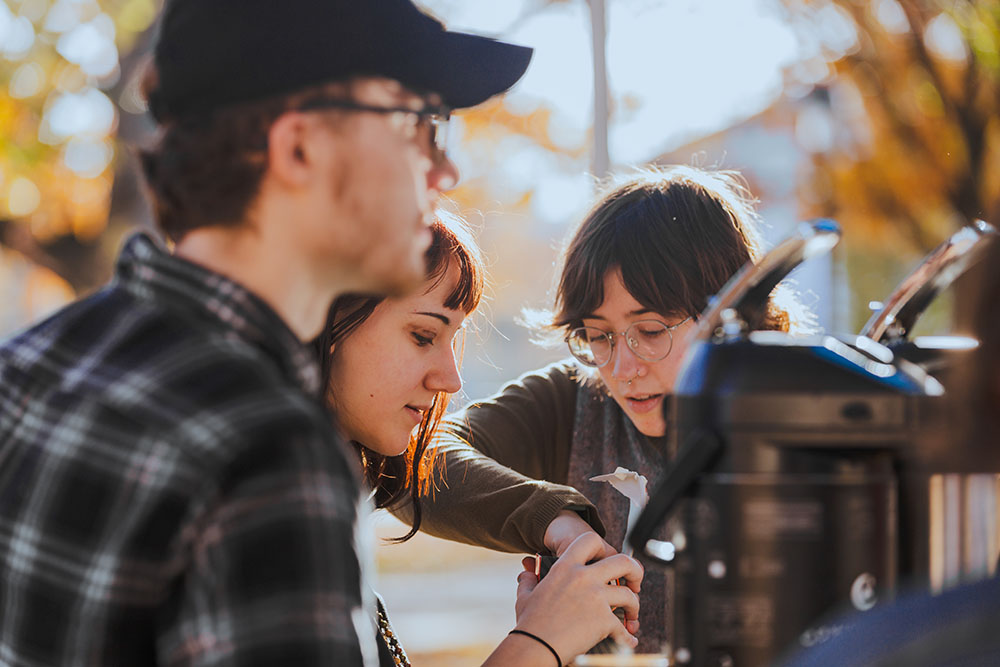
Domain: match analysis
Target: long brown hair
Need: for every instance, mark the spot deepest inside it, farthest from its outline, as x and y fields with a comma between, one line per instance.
x=677, y=234
x=394, y=478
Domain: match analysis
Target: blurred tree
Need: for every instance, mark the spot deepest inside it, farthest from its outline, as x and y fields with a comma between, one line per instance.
x=914, y=150
x=918, y=95
x=61, y=89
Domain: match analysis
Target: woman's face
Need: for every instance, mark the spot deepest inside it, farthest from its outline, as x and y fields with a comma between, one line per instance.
x=651, y=381
x=385, y=374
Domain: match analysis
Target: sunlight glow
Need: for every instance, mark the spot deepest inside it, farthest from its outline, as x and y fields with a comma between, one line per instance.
x=695, y=66
x=88, y=113
x=23, y=197
x=891, y=15
x=687, y=67
x=87, y=157
x=944, y=39
x=91, y=45
x=27, y=81
x=18, y=38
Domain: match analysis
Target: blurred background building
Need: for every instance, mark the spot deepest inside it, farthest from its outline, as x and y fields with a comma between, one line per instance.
x=880, y=114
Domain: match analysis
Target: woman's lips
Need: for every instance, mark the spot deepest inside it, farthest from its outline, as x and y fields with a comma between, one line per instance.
x=416, y=413
x=644, y=403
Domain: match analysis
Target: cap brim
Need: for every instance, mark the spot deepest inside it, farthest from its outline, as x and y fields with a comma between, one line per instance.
x=466, y=70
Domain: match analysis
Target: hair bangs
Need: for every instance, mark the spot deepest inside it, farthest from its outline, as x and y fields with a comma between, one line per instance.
x=676, y=234
x=453, y=245
x=589, y=257
x=651, y=267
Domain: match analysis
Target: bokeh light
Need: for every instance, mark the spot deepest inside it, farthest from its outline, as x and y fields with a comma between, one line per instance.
x=23, y=197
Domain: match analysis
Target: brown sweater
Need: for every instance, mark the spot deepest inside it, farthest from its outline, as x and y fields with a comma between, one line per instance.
x=502, y=500
x=547, y=425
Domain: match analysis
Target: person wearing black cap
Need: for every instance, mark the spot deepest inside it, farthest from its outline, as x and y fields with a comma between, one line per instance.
x=172, y=491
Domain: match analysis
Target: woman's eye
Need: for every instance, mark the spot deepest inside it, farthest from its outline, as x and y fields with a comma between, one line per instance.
x=652, y=333
x=422, y=341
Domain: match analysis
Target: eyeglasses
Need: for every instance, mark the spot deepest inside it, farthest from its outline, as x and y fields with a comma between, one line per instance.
x=434, y=118
x=650, y=340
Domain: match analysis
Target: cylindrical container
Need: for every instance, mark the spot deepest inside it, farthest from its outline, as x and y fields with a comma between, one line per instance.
x=949, y=479
x=815, y=476
x=798, y=514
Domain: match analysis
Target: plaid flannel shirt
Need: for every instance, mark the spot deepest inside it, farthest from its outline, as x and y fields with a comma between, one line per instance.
x=171, y=490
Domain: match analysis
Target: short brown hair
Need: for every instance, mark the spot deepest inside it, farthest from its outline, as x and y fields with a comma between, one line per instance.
x=206, y=169
x=677, y=234
x=395, y=478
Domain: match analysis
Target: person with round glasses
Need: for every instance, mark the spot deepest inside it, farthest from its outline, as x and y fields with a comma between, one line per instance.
x=635, y=275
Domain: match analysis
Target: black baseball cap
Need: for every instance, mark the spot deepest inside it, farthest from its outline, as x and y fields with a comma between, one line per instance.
x=215, y=53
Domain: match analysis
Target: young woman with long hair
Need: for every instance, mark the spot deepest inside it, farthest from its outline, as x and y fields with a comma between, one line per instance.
x=390, y=366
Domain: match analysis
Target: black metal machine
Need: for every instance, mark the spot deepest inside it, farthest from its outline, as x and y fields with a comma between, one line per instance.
x=949, y=495
x=800, y=485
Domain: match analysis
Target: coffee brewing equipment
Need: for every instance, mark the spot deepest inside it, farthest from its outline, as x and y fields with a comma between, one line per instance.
x=795, y=454
x=949, y=494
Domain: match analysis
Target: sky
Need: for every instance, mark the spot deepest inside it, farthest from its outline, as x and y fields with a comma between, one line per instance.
x=678, y=70
x=688, y=67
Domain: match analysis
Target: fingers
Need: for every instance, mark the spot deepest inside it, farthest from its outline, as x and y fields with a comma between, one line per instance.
x=609, y=551
x=619, y=567
x=585, y=548
x=624, y=598
x=622, y=636
x=526, y=582
x=528, y=563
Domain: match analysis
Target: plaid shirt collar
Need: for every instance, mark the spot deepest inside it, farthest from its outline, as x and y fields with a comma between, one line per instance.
x=150, y=272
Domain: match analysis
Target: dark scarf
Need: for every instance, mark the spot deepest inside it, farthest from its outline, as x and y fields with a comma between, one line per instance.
x=603, y=439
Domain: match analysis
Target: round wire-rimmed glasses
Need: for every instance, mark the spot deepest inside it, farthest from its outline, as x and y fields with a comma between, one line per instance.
x=650, y=340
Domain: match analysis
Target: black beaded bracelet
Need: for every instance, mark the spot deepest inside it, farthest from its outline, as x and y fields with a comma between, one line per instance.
x=540, y=641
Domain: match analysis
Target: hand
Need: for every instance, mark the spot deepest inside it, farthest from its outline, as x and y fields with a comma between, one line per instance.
x=566, y=527
x=572, y=607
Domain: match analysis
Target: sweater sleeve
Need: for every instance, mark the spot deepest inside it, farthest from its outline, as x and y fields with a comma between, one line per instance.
x=501, y=464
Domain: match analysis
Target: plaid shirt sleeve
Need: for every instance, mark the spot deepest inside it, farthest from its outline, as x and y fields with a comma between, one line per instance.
x=273, y=573
x=172, y=491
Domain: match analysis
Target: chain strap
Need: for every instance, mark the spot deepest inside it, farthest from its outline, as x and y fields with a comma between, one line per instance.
x=395, y=648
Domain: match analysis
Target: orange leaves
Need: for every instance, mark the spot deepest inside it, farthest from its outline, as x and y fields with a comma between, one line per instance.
x=58, y=126
x=925, y=156
x=493, y=120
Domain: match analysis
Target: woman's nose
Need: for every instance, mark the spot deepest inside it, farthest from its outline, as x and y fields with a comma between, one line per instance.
x=624, y=361
x=445, y=377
